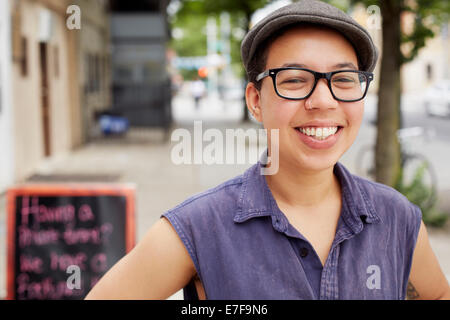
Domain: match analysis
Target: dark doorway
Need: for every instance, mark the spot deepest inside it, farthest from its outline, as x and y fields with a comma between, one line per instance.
x=45, y=97
x=141, y=83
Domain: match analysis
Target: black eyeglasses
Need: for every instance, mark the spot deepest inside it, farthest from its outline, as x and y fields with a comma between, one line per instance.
x=299, y=83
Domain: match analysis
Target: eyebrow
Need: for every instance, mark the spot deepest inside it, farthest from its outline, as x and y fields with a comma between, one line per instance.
x=293, y=65
x=345, y=65
x=339, y=65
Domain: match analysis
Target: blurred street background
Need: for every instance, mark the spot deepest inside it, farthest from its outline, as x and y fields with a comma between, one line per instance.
x=95, y=97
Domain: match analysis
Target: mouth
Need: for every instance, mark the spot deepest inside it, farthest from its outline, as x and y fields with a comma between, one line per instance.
x=317, y=137
x=319, y=133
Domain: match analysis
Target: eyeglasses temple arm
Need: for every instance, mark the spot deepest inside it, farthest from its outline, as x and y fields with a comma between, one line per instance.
x=262, y=75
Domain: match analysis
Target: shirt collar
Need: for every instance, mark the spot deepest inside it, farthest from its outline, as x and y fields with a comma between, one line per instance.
x=255, y=196
x=256, y=199
x=359, y=208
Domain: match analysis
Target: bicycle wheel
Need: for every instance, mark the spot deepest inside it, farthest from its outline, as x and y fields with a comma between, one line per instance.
x=419, y=180
x=365, y=162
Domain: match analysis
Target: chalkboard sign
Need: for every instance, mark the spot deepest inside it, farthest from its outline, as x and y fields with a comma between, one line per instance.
x=63, y=238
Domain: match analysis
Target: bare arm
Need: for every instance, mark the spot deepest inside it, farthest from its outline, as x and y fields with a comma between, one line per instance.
x=426, y=281
x=155, y=269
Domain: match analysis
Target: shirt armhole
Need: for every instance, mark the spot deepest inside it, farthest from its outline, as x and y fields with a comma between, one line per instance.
x=412, y=242
x=183, y=235
x=416, y=227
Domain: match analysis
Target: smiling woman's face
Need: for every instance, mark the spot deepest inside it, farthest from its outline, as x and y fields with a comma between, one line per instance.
x=321, y=50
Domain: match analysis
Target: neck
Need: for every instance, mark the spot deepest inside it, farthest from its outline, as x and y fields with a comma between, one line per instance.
x=302, y=188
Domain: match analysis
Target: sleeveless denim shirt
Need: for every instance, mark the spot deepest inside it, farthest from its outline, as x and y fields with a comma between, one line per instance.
x=243, y=246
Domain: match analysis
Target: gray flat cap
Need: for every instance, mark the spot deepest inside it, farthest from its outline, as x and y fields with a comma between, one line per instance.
x=316, y=12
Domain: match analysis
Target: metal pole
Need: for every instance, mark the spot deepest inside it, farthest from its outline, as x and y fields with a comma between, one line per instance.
x=226, y=48
x=211, y=38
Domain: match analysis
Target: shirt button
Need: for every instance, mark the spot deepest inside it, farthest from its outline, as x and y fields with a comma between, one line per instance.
x=304, y=252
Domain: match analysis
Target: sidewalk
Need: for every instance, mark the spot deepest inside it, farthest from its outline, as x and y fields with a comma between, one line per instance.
x=139, y=158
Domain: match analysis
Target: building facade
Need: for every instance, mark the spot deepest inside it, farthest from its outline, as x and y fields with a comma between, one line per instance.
x=58, y=76
x=41, y=87
x=93, y=56
x=431, y=64
x=6, y=117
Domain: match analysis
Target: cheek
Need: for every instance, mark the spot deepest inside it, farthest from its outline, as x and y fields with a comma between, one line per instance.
x=357, y=112
x=354, y=114
x=278, y=114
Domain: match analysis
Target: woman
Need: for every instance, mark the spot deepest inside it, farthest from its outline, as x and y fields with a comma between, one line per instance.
x=311, y=230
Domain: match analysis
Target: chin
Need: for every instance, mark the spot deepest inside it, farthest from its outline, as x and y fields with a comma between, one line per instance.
x=316, y=162
x=319, y=165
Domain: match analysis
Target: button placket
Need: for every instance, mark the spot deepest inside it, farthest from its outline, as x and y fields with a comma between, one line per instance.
x=326, y=280
x=329, y=288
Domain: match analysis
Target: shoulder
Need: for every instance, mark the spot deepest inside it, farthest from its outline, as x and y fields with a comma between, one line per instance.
x=215, y=201
x=379, y=192
x=382, y=195
x=201, y=217
x=390, y=205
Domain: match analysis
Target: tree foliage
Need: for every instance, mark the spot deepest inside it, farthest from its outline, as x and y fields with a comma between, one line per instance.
x=192, y=16
x=241, y=8
x=193, y=38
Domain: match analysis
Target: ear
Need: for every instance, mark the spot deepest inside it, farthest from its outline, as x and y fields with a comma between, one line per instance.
x=253, y=100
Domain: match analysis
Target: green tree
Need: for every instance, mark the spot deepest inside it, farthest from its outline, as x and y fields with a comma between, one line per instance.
x=240, y=11
x=192, y=40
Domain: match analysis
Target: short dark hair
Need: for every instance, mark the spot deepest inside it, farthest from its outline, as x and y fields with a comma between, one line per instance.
x=258, y=61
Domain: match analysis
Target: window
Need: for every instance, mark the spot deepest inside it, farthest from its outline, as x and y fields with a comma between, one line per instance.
x=24, y=58
x=94, y=73
x=91, y=73
x=429, y=71
x=97, y=73
x=87, y=73
x=56, y=60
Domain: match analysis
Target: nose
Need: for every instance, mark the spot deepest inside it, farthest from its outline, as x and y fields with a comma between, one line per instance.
x=321, y=98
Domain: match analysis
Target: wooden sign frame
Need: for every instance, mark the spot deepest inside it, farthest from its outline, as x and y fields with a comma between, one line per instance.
x=69, y=190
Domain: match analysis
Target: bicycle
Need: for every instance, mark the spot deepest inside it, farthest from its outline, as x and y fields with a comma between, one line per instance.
x=418, y=175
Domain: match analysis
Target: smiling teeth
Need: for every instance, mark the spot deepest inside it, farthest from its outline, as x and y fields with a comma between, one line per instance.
x=319, y=133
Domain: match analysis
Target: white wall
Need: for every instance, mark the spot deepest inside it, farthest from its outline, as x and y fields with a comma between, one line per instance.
x=6, y=117
x=29, y=151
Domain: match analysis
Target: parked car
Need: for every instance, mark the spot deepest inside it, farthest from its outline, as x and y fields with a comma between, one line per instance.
x=437, y=99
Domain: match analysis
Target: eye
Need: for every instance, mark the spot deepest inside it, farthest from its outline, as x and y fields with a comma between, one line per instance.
x=294, y=80
x=343, y=79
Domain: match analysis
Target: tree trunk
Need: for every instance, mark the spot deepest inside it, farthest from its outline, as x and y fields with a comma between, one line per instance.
x=387, y=159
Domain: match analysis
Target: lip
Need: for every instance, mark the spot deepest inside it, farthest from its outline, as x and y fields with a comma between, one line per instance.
x=320, y=123
x=320, y=144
